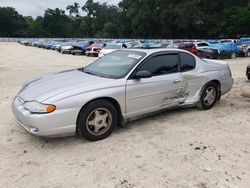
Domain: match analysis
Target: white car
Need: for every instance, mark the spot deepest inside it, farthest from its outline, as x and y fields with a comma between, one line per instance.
x=201, y=45
x=110, y=48
x=66, y=49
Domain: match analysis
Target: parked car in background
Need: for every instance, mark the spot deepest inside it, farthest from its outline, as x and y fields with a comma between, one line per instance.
x=40, y=43
x=48, y=45
x=56, y=46
x=227, y=48
x=189, y=46
x=173, y=45
x=110, y=47
x=248, y=72
x=26, y=42
x=229, y=40
x=205, y=51
x=77, y=50
x=244, y=50
x=201, y=44
x=151, y=46
x=94, y=49
x=122, y=86
x=208, y=53
x=67, y=47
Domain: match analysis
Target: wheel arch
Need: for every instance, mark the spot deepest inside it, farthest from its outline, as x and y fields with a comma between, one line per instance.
x=112, y=101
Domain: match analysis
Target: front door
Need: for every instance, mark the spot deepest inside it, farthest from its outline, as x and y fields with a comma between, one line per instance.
x=162, y=90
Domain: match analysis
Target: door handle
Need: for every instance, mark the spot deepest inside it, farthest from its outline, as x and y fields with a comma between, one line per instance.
x=177, y=81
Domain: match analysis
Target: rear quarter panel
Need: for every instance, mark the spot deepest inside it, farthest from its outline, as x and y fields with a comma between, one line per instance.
x=205, y=72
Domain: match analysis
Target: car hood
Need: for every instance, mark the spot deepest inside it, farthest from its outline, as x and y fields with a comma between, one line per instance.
x=41, y=89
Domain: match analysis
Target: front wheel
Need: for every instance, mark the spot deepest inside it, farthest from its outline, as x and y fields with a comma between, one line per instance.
x=208, y=97
x=97, y=120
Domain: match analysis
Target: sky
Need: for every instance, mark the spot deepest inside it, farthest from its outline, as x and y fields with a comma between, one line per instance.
x=36, y=8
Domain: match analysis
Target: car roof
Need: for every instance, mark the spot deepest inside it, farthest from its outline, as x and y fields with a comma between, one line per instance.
x=152, y=51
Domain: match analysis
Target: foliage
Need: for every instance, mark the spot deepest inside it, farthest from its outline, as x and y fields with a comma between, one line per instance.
x=134, y=19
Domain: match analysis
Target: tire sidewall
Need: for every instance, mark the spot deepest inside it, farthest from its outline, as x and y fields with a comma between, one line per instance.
x=202, y=103
x=84, y=113
x=248, y=53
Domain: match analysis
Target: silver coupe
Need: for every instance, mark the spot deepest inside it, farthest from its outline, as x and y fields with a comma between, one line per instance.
x=120, y=87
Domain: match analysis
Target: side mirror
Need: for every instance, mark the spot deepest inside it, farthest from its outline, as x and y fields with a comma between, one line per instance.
x=143, y=74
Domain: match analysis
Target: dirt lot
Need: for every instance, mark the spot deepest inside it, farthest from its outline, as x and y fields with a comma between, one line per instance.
x=178, y=148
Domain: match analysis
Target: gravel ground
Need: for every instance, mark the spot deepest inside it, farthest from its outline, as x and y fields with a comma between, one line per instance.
x=179, y=148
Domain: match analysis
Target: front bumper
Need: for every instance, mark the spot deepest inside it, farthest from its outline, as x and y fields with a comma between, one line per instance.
x=66, y=51
x=92, y=53
x=56, y=124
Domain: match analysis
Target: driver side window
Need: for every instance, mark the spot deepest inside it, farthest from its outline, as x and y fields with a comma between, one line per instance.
x=162, y=64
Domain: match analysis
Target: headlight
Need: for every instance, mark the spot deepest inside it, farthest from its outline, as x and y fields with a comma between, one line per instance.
x=36, y=107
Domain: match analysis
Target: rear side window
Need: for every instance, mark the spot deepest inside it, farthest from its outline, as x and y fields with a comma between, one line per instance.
x=162, y=64
x=188, y=45
x=187, y=62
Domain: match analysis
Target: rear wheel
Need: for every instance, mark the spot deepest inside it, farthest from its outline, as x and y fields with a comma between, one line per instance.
x=97, y=120
x=248, y=53
x=209, y=96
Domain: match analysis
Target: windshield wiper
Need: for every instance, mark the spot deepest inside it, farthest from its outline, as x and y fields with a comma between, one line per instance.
x=88, y=72
x=95, y=74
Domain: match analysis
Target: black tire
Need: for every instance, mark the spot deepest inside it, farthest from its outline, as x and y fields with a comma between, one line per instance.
x=205, y=104
x=248, y=77
x=248, y=53
x=84, y=129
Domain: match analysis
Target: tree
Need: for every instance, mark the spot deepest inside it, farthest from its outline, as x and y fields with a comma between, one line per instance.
x=134, y=19
x=90, y=8
x=12, y=24
x=73, y=9
x=56, y=23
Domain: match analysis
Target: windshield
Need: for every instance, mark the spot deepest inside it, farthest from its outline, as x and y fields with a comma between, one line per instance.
x=113, y=46
x=115, y=65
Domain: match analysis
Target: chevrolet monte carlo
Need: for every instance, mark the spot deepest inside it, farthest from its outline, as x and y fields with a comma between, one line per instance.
x=120, y=87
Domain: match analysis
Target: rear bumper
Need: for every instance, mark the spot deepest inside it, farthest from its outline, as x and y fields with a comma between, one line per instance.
x=226, y=86
x=59, y=123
